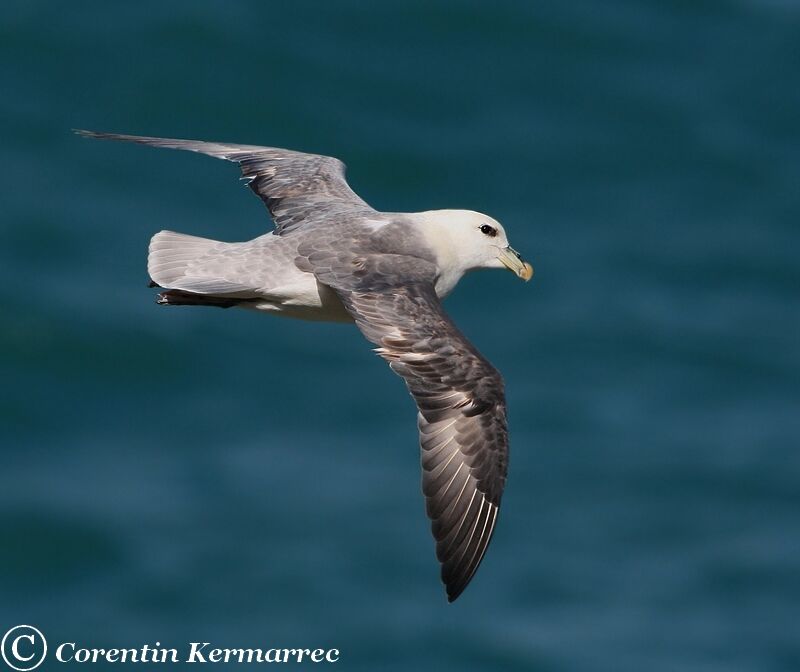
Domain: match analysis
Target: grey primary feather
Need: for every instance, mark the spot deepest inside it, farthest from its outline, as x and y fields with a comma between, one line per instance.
x=459, y=394
x=297, y=188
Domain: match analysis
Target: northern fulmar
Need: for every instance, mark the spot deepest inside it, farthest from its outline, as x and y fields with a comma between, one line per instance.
x=332, y=257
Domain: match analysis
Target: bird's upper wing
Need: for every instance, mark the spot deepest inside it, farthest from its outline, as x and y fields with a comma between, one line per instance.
x=460, y=397
x=295, y=186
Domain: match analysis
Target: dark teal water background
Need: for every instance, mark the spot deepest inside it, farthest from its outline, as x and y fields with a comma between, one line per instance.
x=178, y=475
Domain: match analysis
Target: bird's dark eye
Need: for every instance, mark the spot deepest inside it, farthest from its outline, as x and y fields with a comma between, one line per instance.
x=489, y=230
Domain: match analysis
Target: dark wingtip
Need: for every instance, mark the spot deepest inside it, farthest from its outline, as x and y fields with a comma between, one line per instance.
x=456, y=580
x=454, y=592
x=92, y=134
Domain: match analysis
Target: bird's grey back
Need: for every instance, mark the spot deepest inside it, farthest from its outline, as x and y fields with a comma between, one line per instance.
x=357, y=251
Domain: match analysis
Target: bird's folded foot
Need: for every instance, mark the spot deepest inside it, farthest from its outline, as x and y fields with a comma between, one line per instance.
x=178, y=297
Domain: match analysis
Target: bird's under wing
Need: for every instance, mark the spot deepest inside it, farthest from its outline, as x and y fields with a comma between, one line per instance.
x=459, y=395
x=297, y=188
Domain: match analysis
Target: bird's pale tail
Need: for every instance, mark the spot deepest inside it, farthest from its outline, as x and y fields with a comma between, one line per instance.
x=171, y=254
x=189, y=266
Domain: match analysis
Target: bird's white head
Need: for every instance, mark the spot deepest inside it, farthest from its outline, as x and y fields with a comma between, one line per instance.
x=465, y=240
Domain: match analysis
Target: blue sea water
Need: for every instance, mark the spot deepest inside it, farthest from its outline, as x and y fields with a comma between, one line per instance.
x=179, y=475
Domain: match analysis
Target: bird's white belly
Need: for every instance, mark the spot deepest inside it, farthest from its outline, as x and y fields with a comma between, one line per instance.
x=303, y=297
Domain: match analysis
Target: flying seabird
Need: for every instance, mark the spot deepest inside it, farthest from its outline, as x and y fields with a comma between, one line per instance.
x=332, y=257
